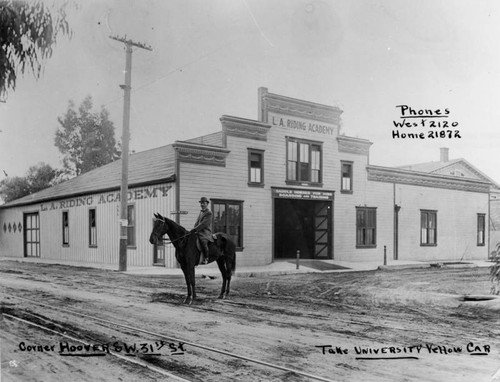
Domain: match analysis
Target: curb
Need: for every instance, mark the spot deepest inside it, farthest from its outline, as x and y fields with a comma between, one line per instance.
x=403, y=266
x=428, y=265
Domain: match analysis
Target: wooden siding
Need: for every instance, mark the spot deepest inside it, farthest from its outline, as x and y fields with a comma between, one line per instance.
x=364, y=194
x=456, y=223
x=231, y=182
x=147, y=201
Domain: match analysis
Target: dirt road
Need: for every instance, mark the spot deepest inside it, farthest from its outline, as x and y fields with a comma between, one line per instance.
x=407, y=325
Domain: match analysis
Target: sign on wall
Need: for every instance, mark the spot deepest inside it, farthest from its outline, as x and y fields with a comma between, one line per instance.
x=298, y=124
x=293, y=193
x=109, y=197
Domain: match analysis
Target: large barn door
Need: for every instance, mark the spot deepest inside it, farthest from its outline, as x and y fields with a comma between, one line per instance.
x=31, y=235
x=321, y=231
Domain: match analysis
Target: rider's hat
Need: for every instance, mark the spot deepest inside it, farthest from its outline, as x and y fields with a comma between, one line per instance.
x=204, y=200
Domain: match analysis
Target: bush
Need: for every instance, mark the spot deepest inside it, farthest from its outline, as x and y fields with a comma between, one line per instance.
x=495, y=271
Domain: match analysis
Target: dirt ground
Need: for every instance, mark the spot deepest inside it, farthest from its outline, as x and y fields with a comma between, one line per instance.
x=405, y=325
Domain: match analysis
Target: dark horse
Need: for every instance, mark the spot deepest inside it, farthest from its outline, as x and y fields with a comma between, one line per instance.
x=187, y=253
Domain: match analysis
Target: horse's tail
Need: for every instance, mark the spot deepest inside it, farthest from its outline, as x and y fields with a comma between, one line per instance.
x=229, y=249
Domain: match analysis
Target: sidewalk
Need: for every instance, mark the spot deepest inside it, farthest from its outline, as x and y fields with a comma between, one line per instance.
x=281, y=267
x=284, y=267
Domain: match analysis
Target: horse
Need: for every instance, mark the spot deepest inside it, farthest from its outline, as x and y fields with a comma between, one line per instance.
x=187, y=253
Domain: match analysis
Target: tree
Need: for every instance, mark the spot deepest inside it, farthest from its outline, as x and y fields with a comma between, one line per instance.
x=85, y=138
x=37, y=178
x=28, y=33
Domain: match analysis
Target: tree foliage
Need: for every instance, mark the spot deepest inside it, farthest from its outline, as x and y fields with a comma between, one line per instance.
x=86, y=138
x=37, y=178
x=28, y=33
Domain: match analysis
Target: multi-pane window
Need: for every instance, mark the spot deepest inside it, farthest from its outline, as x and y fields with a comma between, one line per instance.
x=65, y=228
x=481, y=224
x=32, y=235
x=303, y=161
x=315, y=164
x=131, y=225
x=346, y=176
x=228, y=218
x=428, y=227
x=92, y=228
x=366, y=227
x=255, y=167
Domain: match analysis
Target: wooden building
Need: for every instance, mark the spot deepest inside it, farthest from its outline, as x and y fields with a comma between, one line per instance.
x=286, y=182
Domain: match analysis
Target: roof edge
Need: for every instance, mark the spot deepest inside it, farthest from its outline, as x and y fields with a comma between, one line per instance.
x=170, y=179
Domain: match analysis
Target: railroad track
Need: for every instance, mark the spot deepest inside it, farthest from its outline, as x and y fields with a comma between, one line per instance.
x=59, y=328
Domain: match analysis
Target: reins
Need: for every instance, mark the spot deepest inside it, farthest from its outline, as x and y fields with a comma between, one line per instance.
x=179, y=238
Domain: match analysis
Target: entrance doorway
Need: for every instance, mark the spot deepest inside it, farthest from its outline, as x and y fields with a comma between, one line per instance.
x=302, y=225
x=31, y=235
x=159, y=255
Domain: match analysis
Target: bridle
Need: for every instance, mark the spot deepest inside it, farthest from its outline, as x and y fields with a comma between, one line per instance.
x=168, y=240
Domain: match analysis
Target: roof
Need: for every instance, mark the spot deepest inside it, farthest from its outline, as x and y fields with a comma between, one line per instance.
x=429, y=166
x=150, y=166
x=438, y=167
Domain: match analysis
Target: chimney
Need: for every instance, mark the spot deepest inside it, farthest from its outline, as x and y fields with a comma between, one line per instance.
x=444, y=154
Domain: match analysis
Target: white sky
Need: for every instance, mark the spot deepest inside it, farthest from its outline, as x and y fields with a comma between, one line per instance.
x=210, y=56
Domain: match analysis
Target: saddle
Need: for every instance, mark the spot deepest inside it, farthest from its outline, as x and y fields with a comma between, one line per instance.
x=198, y=242
x=210, y=244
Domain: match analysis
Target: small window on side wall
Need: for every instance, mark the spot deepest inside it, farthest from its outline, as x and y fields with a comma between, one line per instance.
x=481, y=224
x=131, y=225
x=366, y=227
x=92, y=228
x=428, y=228
x=255, y=167
x=65, y=228
x=346, y=177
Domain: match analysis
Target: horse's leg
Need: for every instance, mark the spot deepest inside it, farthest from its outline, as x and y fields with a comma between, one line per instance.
x=192, y=282
x=229, y=268
x=221, y=264
x=187, y=299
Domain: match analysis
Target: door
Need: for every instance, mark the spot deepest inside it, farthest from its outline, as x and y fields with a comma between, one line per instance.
x=321, y=230
x=304, y=226
x=159, y=255
x=31, y=234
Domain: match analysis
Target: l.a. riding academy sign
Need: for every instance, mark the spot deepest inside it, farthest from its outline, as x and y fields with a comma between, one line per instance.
x=293, y=193
x=110, y=197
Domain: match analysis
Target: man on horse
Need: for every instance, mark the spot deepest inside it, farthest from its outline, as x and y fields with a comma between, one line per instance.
x=203, y=227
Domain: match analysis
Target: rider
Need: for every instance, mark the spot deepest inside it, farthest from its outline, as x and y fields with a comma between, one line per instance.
x=203, y=227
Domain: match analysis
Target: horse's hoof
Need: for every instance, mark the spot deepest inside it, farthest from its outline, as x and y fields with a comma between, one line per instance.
x=220, y=297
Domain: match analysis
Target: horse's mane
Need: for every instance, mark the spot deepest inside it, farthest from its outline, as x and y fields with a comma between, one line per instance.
x=176, y=229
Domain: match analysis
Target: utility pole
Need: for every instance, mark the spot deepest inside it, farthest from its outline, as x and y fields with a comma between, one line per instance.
x=125, y=141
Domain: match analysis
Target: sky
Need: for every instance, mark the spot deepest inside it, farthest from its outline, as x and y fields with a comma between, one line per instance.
x=209, y=57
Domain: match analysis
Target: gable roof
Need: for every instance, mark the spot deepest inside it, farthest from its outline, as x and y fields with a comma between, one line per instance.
x=150, y=166
x=441, y=166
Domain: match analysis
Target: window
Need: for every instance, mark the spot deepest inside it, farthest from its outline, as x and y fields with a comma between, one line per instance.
x=481, y=224
x=92, y=228
x=457, y=173
x=228, y=218
x=131, y=225
x=303, y=161
x=346, y=177
x=366, y=227
x=428, y=224
x=255, y=167
x=65, y=228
